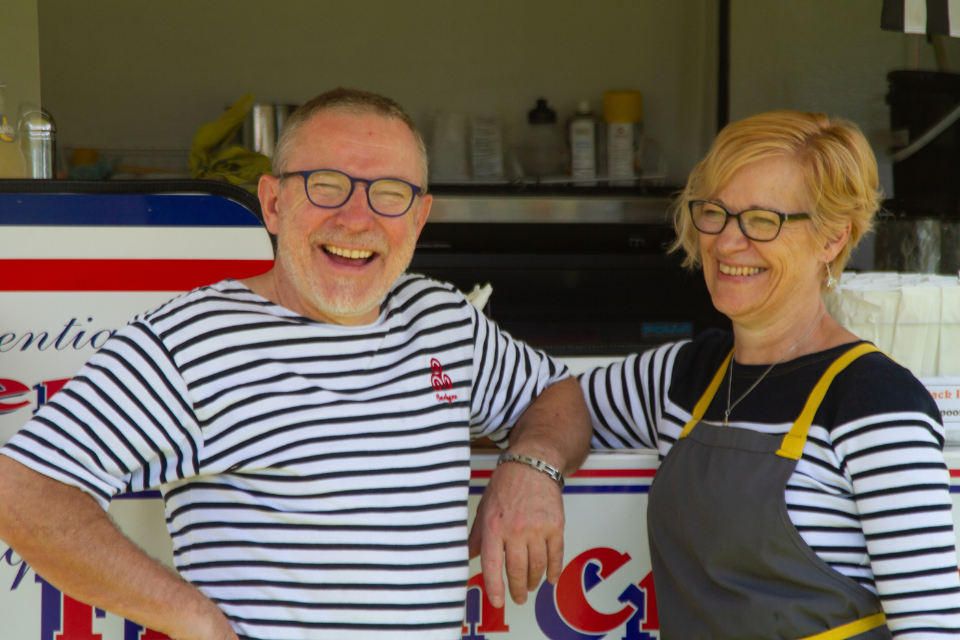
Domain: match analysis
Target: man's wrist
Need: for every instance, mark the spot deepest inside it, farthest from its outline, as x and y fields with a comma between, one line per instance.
x=535, y=463
x=546, y=451
x=201, y=618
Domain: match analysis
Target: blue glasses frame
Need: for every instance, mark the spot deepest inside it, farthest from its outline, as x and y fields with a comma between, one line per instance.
x=353, y=184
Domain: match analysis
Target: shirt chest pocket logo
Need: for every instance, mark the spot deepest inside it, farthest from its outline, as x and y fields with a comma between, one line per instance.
x=441, y=381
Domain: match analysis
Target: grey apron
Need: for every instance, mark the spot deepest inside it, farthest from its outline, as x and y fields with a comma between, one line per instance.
x=727, y=561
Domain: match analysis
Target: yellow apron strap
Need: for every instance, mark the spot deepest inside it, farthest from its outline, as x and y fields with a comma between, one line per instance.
x=707, y=397
x=851, y=629
x=792, y=446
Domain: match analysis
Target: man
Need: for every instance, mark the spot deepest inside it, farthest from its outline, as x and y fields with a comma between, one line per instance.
x=309, y=426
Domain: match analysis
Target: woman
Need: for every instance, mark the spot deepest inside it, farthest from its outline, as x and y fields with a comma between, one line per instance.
x=802, y=486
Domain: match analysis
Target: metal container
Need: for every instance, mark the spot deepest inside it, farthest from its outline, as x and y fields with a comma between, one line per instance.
x=260, y=129
x=38, y=143
x=283, y=114
x=950, y=247
x=917, y=245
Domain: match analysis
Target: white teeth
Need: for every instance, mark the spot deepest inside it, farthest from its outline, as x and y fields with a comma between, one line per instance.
x=355, y=254
x=739, y=271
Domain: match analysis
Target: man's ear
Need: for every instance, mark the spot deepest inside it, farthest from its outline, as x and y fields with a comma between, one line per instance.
x=268, y=190
x=835, y=245
x=423, y=212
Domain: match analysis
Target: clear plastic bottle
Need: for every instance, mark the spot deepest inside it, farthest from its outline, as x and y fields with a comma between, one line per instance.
x=11, y=159
x=543, y=152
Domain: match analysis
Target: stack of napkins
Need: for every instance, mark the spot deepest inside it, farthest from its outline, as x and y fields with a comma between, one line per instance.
x=913, y=318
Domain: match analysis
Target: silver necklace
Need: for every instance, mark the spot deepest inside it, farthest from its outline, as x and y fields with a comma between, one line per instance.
x=726, y=414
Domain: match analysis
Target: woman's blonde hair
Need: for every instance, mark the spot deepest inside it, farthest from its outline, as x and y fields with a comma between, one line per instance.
x=839, y=169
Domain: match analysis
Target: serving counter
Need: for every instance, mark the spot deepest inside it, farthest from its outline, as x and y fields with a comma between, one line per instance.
x=610, y=595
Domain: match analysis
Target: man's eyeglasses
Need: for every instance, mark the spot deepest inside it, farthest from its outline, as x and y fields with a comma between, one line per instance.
x=761, y=225
x=329, y=189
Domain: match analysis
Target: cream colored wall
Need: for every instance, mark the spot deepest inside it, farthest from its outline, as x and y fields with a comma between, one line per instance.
x=134, y=73
x=20, y=54
x=140, y=74
x=822, y=55
x=19, y=57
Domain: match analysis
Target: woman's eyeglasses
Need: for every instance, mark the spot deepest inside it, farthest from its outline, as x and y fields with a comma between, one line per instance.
x=761, y=225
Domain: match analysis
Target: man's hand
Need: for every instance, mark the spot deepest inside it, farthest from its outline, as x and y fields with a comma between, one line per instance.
x=64, y=535
x=520, y=517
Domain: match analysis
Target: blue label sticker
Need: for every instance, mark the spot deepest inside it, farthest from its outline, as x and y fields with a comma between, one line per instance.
x=666, y=330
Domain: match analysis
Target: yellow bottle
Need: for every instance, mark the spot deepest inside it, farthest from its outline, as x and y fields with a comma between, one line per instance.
x=11, y=158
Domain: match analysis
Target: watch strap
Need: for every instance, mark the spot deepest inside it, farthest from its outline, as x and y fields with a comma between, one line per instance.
x=539, y=465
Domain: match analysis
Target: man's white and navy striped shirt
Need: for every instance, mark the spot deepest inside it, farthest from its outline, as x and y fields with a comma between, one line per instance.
x=870, y=495
x=315, y=476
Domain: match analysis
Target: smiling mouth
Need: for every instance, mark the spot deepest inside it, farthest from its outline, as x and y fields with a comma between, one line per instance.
x=348, y=256
x=740, y=271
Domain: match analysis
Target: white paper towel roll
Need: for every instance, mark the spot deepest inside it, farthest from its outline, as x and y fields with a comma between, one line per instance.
x=949, y=348
x=914, y=318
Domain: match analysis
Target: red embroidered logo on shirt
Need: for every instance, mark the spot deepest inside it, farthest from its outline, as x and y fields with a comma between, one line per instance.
x=440, y=381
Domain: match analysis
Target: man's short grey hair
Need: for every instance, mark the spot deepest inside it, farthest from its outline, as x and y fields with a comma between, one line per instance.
x=341, y=100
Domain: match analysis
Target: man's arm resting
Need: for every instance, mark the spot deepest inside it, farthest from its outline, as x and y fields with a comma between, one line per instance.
x=64, y=535
x=521, y=514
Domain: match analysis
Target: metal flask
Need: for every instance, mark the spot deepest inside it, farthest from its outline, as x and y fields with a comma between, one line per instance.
x=283, y=114
x=262, y=126
x=37, y=142
x=260, y=129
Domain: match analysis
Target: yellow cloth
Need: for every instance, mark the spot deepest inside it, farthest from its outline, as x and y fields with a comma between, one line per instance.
x=212, y=157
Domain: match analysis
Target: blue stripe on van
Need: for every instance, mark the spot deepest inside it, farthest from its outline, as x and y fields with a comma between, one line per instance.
x=153, y=210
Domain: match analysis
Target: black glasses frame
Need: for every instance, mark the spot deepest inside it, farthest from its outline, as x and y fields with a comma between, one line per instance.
x=353, y=183
x=782, y=216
